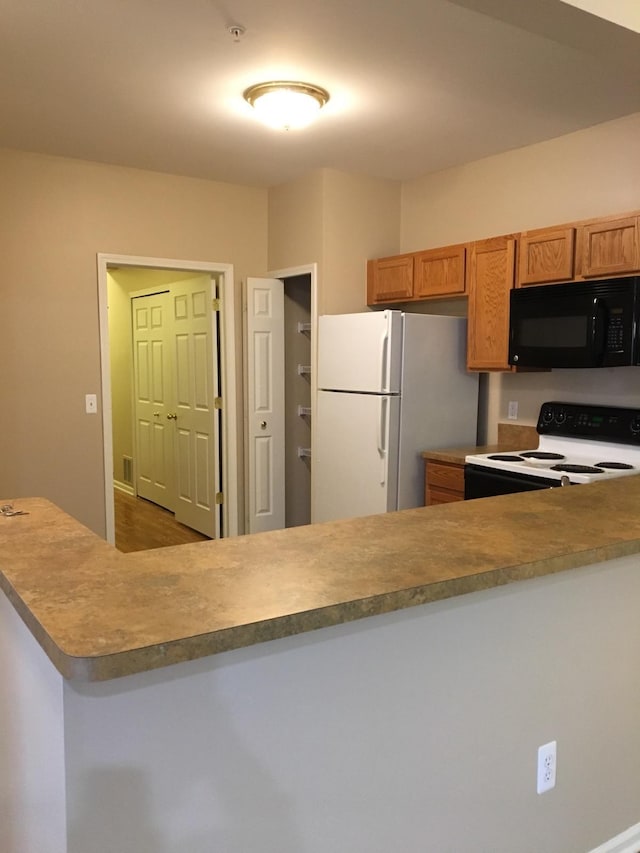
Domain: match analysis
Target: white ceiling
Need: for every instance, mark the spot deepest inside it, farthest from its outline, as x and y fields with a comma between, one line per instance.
x=416, y=85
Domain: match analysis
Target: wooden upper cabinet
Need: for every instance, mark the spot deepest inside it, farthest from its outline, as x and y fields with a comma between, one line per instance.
x=546, y=255
x=490, y=277
x=390, y=279
x=610, y=247
x=440, y=272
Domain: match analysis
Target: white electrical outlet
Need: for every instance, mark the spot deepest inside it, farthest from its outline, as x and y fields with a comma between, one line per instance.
x=513, y=410
x=546, y=767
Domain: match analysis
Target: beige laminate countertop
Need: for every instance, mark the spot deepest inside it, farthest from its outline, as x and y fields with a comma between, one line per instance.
x=510, y=437
x=456, y=455
x=100, y=614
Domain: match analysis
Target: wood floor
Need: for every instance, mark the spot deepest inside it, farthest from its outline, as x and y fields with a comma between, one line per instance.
x=141, y=525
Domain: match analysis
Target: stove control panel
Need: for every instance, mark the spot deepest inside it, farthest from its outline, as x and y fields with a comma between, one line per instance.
x=600, y=423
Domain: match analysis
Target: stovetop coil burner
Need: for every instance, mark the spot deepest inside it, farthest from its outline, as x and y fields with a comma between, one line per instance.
x=541, y=454
x=615, y=466
x=577, y=469
x=505, y=457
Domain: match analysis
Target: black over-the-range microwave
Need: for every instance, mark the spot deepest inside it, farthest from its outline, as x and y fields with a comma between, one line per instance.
x=576, y=324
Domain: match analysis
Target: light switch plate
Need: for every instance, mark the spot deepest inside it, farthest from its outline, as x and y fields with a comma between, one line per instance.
x=91, y=404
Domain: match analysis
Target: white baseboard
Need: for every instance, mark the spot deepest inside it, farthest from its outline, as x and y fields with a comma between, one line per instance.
x=626, y=842
x=123, y=487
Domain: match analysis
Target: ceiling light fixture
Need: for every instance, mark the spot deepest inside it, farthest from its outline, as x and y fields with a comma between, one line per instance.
x=285, y=104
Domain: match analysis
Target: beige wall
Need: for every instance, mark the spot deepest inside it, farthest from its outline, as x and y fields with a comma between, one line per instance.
x=361, y=221
x=55, y=216
x=295, y=223
x=338, y=221
x=589, y=173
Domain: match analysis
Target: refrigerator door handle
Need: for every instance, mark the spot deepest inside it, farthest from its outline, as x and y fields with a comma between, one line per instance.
x=384, y=360
x=382, y=438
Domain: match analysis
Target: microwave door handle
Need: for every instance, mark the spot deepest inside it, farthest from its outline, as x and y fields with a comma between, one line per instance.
x=598, y=333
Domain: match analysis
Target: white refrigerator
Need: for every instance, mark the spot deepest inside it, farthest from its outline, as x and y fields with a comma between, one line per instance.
x=390, y=385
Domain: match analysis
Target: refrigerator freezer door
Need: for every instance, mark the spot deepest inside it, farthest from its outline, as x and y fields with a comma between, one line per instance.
x=355, y=455
x=360, y=352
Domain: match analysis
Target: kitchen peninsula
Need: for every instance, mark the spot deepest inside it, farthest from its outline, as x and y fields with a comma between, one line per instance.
x=188, y=702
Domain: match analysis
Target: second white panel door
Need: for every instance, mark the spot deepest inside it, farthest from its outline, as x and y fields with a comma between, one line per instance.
x=153, y=399
x=264, y=335
x=176, y=379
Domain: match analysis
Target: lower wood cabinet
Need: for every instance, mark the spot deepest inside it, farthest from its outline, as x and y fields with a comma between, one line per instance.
x=443, y=482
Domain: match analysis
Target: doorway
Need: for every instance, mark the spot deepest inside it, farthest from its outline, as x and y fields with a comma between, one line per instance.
x=156, y=274
x=300, y=365
x=280, y=397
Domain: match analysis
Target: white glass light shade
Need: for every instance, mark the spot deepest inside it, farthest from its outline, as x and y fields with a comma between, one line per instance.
x=286, y=105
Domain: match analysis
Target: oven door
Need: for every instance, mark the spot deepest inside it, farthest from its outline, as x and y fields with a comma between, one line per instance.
x=482, y=482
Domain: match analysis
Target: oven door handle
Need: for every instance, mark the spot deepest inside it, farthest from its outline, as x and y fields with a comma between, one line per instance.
x=598, y=330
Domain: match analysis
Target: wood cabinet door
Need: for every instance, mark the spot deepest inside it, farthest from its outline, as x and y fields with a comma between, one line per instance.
x=610, y=247
x=491, y=270
x=390, y=279
x=444, y=482
x=440, y=272
x=546, y=255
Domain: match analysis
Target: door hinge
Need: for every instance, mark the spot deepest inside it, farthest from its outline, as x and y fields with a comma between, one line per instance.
x=219, y=498
x=215, y=304
x=217, y=403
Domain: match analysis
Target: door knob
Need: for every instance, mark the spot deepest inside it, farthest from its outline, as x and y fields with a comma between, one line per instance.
x=172, y=416
x=263, y=424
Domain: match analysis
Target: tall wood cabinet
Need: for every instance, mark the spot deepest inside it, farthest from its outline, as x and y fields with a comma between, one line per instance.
x=491, y=272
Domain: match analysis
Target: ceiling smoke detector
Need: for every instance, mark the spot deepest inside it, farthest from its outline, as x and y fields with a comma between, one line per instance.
x=286, y=104
x=236, y=31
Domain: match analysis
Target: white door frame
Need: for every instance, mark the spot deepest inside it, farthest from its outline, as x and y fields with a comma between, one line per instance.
x=228, y=378
x=312, y=270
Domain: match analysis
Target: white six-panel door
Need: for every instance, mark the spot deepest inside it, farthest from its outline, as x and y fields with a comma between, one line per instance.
x=153, y=394
x=265, y=404
x=177, y=424
x=193, y=336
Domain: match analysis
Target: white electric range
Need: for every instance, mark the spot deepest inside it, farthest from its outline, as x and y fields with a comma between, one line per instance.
x=578, y=443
